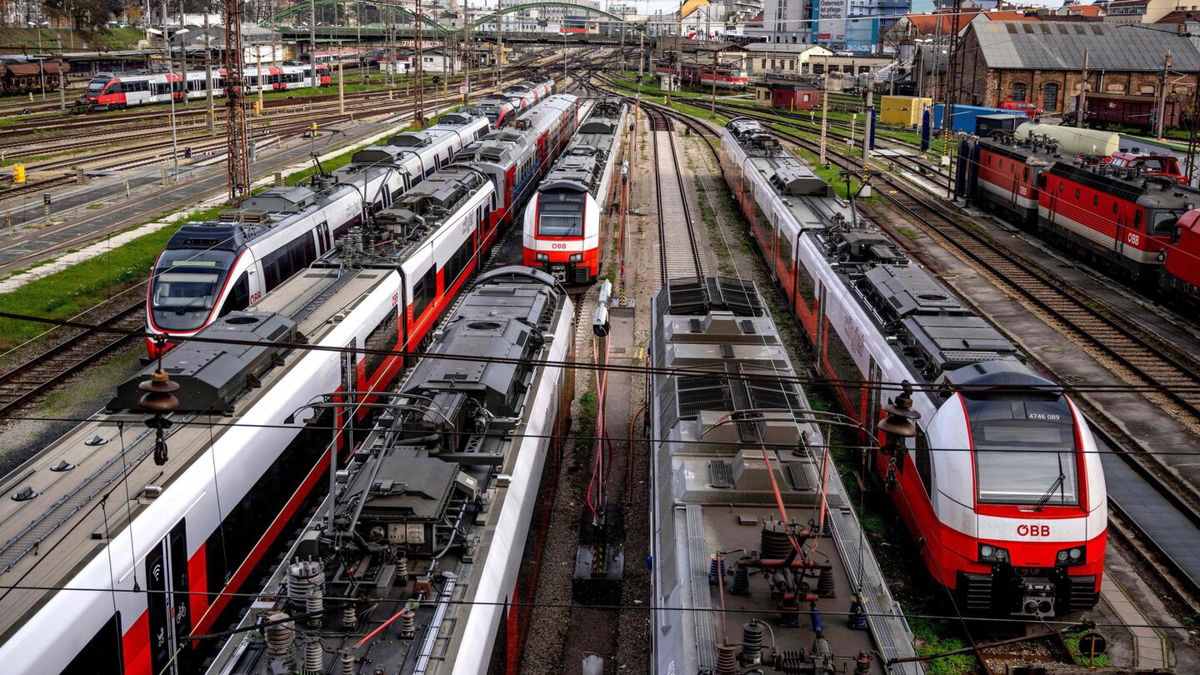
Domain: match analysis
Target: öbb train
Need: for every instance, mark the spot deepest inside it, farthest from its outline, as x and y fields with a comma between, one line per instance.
x=706, y=75
x=1130, y=215
x=107, y=91
x=563, y=220
x=435, y=508
x=501, y=108
x=993, y=468
x=210, y=269
x=193, y=530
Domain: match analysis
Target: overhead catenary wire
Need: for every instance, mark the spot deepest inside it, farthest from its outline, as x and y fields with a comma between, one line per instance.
x=696, y=371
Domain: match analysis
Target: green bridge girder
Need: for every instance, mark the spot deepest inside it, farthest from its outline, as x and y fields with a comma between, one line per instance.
x=547, y=5
x=302, y=9
x=441, y=30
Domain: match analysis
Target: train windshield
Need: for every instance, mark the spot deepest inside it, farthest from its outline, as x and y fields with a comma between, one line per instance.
x=186, y=285
x=96, y=86
x=560, y=213
x=1163, y=221
x=1024, y=451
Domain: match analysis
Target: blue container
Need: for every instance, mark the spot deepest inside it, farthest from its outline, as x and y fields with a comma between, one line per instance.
x=964, y=116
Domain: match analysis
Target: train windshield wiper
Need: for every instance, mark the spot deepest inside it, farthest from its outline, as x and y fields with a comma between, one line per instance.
x=1057, y=484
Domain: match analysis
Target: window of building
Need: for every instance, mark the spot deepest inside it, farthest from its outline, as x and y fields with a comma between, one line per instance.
x=1146, y=90
x=1018, y=91
x=1050, y=96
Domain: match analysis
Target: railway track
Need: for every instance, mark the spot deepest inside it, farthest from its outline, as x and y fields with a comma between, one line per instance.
x=51, y=366
x=679, y=251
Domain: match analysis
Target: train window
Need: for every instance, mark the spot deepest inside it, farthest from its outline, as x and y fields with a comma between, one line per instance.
x=1164, y=222
x=1024, y=451
x=1137, y=219
x=458, y=262
x=186, y=285
x=785, y=252
x=102, y=654
x=924, y=465
x=239, y=296
x=1026, y=174
x=424, y=291
x=560, y=213
x=383, y=338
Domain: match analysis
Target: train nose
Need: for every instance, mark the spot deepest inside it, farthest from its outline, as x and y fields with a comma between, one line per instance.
x=1037, y=597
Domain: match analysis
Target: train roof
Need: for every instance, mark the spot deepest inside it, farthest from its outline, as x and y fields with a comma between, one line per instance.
x=789, y=175
x=418, y=213
x=731, y=454
x=71, y=476
x=932, y=330
x=1150, y=191
x=581, y=165
x=420, y=510
x=503, y=145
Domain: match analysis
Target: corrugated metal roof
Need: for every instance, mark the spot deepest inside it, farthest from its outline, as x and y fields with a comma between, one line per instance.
x=1053, y=45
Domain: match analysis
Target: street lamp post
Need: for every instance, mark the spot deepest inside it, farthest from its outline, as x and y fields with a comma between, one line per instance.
x=41, y=63
x=171, y=91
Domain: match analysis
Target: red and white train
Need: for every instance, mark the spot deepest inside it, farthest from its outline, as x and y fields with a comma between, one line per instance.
x=516, y=158
x=992, y=467
x=210, y=269
x=216, y=507
x=696, y=74
x=1130, y=213
x=121, y=90
x=348, y=57
x=502, y=107
x=168, y=563
x=563, y=220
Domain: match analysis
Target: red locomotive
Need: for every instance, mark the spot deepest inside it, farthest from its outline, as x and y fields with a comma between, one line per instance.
x=1126, y=213
x=704, y=75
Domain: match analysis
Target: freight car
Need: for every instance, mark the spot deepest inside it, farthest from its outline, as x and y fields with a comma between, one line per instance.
x=430, y=522
x=990, y=465
x=1138, y=112
x=705, y=75
x=19, y=75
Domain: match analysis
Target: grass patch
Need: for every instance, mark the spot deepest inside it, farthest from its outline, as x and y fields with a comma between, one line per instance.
x=66, y=293
x=584, y=426
x=931, y=640
x=1073, y=645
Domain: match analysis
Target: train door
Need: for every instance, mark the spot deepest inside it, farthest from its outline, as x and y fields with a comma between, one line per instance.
x=167, y=591
x=323, y=238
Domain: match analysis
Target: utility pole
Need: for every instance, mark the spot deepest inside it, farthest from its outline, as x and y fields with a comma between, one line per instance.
x=824, y=113
x=312, y=41
x=209, y=118
x=341, y=84
x=237, y=144
x=1190, y=161
x=468, y=62
x=262, y=83
x=419, y=71
x=1081, y=106
x=1162, y=97
x=713, y=99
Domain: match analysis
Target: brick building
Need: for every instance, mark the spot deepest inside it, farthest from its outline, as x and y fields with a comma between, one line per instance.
x=1042, y=62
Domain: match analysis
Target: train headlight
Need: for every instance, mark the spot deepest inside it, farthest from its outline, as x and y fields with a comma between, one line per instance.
x=992, y=554
x=1076, y=555
x=576, y=257
x=543, y=257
